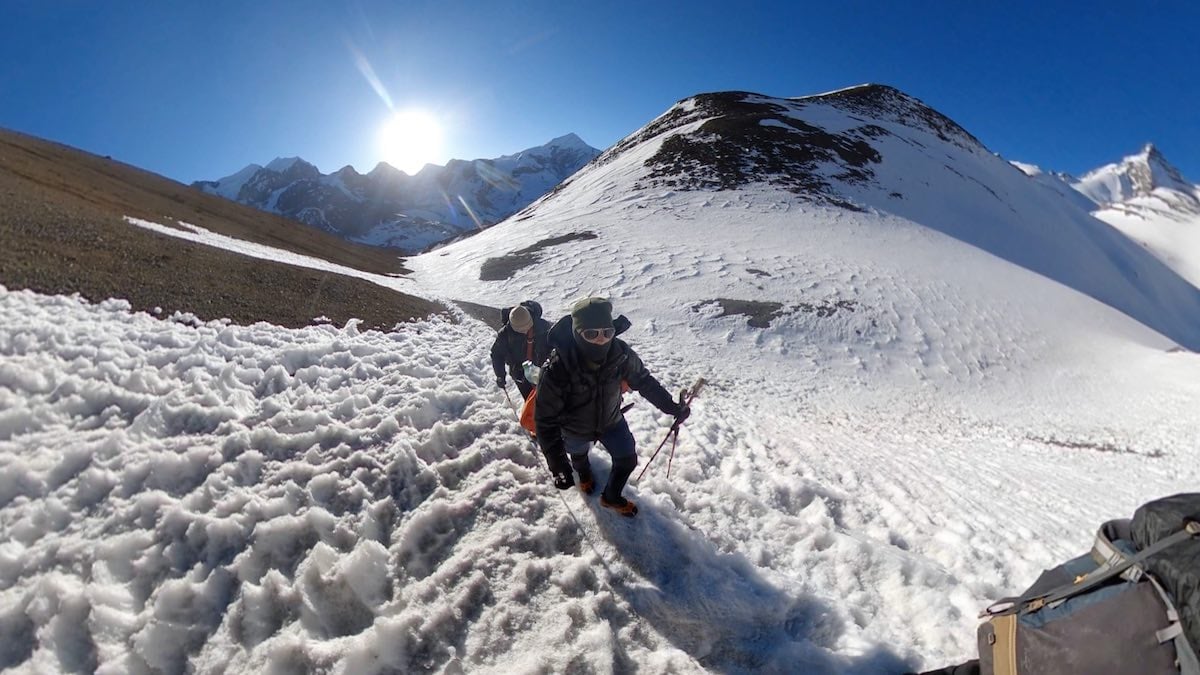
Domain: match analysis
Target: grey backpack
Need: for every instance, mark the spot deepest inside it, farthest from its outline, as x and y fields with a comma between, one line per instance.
x=1130, y=605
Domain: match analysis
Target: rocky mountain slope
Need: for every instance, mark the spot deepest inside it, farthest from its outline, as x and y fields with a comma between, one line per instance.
x=65, y=230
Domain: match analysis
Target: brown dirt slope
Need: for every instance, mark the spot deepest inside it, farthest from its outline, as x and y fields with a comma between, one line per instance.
x=62, y=230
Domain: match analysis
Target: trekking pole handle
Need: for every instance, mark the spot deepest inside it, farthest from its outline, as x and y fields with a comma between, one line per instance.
x=686, y=397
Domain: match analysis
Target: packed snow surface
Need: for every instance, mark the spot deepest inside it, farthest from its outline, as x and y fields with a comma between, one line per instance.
x=932, y=416
x=240, y=499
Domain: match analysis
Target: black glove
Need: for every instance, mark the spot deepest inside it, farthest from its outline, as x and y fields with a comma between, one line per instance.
x=501, y=381
x=563, y=480
x=682, y=409
x=685, y=411
x=559, y=465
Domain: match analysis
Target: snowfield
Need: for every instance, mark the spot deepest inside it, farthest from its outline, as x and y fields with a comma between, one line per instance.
x=229, y=499
x=944, y=403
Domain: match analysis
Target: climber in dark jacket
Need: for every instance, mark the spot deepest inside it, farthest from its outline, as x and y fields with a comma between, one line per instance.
x=524, y=337
x=579, y=400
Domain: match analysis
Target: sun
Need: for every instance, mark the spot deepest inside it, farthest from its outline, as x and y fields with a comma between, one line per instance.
x=410, y=139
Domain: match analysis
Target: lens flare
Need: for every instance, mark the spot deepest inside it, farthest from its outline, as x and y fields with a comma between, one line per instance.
x=368, y=73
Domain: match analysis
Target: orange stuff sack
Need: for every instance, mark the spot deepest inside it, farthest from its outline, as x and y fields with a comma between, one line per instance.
x=527, y=407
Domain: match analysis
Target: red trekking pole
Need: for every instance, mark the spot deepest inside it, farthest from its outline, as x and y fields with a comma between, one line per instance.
x=685, y=399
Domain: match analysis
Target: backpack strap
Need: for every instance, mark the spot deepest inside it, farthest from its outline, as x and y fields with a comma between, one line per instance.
x=1190, y=529
x=1185, y=655
x=1107, y=553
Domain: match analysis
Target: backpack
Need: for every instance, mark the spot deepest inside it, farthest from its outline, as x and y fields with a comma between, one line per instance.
x=1130, y=605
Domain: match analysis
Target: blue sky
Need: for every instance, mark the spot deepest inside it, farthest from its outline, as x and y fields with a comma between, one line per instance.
x=199, y=90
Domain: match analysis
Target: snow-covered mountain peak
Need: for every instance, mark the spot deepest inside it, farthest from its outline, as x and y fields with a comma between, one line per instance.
x=1160, y=173
x=383, y=170
x=885, y=102
x=1138, y=175
x=555, y=156
x=569, y=141
x=229, y=186
x=1150, y=201
x=282, y=164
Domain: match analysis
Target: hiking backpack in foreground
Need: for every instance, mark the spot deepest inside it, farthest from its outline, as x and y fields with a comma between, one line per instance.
x=1131, y=605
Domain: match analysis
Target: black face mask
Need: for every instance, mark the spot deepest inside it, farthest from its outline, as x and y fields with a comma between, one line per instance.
x=592, y=352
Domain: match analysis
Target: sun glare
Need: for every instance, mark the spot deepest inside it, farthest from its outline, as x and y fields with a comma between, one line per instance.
x=410, y=140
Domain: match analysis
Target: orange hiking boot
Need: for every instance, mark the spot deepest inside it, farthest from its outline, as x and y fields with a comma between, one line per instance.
x=587, y=485
x=623, y=507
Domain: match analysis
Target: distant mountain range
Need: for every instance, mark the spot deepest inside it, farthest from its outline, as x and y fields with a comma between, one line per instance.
x=389, y=208
x=866, y=161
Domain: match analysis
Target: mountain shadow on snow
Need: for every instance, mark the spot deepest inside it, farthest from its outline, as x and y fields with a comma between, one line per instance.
x=757, y=626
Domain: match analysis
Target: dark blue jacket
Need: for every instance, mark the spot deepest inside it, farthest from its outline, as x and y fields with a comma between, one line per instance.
x=584, y=402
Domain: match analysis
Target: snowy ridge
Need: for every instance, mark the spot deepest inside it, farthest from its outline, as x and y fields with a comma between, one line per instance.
x=282, y=164
x=1061, y=183
x=1151, y=202
x=1139, y=175
x=230, y=186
